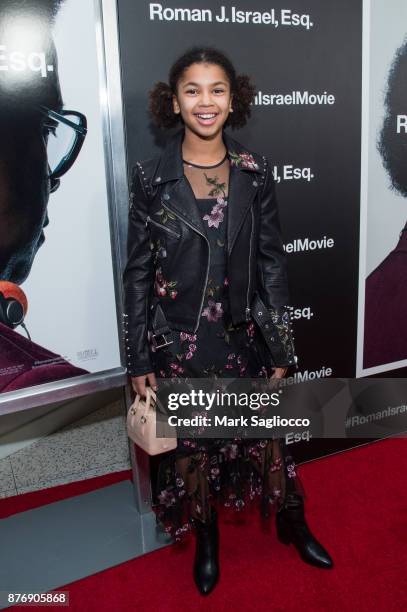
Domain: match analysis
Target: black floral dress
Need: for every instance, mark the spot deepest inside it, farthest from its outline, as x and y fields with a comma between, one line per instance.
x=202, y=473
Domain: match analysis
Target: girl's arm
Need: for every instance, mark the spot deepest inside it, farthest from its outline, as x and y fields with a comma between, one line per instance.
x=272, y=262
x=272, y=267
x=137, y=282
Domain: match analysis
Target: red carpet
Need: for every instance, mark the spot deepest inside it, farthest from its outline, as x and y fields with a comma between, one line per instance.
x=356, y=505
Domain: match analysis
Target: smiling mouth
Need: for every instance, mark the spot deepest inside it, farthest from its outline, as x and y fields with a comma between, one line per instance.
x=206, y=118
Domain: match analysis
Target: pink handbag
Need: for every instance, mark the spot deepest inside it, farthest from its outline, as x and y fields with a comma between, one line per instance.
x=142, y=426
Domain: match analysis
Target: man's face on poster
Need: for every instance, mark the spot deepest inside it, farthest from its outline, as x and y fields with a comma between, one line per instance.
x=25, y=48
x=392, y=143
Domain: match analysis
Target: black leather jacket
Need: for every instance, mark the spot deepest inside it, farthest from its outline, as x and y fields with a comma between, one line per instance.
x=179, y=250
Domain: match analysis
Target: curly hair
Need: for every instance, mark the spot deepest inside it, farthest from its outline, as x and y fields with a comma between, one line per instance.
x=243, y=90
x=393, y=147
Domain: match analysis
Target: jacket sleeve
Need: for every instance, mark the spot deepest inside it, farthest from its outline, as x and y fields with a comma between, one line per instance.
x=272, y=271
x=137, y=281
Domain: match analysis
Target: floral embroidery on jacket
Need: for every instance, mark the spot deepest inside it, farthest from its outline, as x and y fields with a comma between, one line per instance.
x=245, y=160
x=164, y=287
x=164, y=215
x=159, y=251
x=282, y=321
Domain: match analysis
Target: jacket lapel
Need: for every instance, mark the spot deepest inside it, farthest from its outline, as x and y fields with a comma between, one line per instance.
x=243, y=187
x=178, y=195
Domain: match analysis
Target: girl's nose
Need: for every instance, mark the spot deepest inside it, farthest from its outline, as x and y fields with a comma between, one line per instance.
x=206, y=98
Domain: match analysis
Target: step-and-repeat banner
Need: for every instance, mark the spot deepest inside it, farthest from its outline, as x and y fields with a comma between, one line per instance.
x=305, y=59
x=57, y=297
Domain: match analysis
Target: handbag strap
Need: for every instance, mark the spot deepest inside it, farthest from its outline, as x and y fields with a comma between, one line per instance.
x=150, y=395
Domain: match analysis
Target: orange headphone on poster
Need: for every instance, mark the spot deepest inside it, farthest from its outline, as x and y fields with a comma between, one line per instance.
x=13, y=305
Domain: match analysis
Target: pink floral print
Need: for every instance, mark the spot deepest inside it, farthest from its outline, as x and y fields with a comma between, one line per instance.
x=245, y=160
x=216, y=216
x=164, y=287
x=213, y=312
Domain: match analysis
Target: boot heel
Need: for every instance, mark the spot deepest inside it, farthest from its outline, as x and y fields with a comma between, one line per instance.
x=283, y=530
x=292, y=528
x=206, y=563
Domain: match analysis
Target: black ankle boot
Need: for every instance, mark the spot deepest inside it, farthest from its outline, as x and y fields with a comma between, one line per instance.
x=291, y=527
x=206, y=565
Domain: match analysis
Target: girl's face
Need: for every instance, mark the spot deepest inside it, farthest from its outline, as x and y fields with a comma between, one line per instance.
x=203, y=99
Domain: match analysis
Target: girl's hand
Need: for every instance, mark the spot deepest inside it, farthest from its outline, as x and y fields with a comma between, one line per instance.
x=139, y=383
x=279, y=372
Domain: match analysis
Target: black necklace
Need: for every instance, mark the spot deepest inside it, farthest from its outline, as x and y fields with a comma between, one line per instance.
x=206, y=167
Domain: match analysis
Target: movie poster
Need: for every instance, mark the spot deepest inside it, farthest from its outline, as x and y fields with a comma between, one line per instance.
x=57, y=299
x=382, y=333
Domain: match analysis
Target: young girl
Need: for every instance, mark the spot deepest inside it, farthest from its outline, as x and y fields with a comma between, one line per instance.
x=203, y=236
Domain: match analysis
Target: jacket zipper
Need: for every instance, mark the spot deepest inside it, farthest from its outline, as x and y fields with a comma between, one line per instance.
x=250, y=260
x=167, y=229
x=207, y=266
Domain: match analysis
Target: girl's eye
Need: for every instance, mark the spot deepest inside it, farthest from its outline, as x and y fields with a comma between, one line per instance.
x=192, y=91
